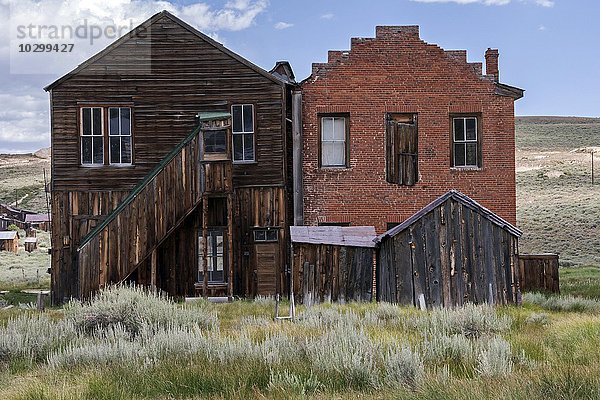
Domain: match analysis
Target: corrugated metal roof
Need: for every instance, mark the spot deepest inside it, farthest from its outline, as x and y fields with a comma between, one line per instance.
x=37, y=218
x=8, y=235
x=461, y=198
x=354, y=236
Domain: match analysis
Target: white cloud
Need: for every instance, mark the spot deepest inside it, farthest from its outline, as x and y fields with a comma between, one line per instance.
x=541, y=28
x=543, y=3
x=283, y=25
x=327, y=16
x=24, y=106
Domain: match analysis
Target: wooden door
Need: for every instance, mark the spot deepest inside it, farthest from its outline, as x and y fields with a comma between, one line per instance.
x=267, y=261
x=402, y=149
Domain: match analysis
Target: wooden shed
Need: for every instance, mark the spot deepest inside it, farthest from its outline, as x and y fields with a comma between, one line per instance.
x=539, y=273
x=30, y=244
x=332, y=263
x=9, y=241
x=451, y=252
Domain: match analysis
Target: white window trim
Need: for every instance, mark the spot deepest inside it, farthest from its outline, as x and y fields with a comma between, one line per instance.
x=465, y=141
x=120, y=135
x=242, y=132
x=345, y=163
x=81, y=135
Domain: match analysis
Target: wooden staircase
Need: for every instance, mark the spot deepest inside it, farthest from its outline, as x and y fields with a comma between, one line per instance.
x=133, y=232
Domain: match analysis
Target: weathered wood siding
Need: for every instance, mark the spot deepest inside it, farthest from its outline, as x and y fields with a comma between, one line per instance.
x=450, y=256
x=324, y=273
x=166, y=76
x=539, y=273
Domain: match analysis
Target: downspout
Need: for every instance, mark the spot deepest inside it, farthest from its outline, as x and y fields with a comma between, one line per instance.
x=297, y=157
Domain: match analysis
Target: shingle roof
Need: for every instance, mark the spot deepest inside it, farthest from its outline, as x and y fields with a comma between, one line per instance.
x=354, y=236
x=461, y=198
x=37, y=218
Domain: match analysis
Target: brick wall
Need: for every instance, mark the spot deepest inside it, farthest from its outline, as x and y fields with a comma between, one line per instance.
x=396, y=72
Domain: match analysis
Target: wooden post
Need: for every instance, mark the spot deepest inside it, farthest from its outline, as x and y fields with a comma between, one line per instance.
x=592, y=153
x=205, y=246
x=230, y=246
x=153, y=261
x=297, y=157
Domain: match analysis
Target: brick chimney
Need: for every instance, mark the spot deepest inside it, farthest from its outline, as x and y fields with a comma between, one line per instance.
x=491, y=63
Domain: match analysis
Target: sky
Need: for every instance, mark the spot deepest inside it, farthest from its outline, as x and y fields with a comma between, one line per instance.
x=549, y=48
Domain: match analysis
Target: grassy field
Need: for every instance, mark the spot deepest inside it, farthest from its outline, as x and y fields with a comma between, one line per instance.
x=22, y=178
x=557, y=207
x=128, y=345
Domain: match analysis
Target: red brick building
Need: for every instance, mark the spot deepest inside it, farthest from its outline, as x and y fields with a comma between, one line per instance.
x=395, y=122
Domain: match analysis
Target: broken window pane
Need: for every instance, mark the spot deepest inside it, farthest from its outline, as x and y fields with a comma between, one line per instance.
x=471, y=154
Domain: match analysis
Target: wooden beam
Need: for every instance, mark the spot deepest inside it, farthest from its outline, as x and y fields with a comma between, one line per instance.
x=297, y=157
x=205, y=246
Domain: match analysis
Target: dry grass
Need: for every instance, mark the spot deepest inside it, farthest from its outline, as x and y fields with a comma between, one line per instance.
x=25, y=174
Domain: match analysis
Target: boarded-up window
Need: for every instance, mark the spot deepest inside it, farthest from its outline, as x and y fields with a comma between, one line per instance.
x=402, y=149
x=466, y=136
x=92, y=140
x=334, y=140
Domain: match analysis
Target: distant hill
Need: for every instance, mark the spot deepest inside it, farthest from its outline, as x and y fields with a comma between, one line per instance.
x=556, y=120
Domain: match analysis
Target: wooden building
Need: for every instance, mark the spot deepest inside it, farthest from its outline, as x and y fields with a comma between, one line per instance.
x=171, y=166
x=30, y=244
x=539, y=273
x=38, y=221
x=332, y=263
x=450, y=252
x=9, y=241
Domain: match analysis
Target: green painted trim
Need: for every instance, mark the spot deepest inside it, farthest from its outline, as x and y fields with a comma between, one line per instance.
x=211, y=116
x=138, y=188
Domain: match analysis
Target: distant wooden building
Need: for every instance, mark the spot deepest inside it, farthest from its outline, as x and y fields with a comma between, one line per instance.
x=30, y=244
x=451, y=252
x=38, y=221
x=9, y=241
x=332, y=263
x=539, y=273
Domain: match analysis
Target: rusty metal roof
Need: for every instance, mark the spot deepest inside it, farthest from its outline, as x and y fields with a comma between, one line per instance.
x=37, y=218
x=353, y=236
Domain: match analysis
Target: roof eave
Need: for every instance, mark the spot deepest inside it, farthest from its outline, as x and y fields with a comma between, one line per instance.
x=503, y=89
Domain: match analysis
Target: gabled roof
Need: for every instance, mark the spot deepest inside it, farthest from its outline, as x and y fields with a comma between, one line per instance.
x=145, y=25
x=354, y=236
x=37, y=218
x=8, y=235
x=460, y=198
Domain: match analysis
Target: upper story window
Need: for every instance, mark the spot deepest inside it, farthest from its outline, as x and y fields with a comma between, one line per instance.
x=105, y=130
x=243, y=132
x=215, y=141
x=466, y=145
x=92, y=134
x=334, y=143
x=402, y=143
x=120, y=135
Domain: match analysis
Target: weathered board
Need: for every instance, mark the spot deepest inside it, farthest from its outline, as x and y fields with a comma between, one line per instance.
x=539, y=273
x=452, y=252
x=325, y=273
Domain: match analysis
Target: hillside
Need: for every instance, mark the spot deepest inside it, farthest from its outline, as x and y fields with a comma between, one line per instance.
x=557, y=207
x=22, y=177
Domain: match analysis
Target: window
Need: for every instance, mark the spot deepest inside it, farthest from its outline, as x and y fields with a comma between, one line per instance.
x=215, y=141
x=243, y=132
x=334, y=141
x=120, y=135
x=402, y=140
x=392, y=225
x=105, y=128
x=265, y=235
x=215, y=257
x=92, y=143
x=466, y=149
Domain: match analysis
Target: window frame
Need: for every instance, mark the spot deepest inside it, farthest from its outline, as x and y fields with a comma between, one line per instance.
x=266, y=230
x=120, y=136
x=81, y=135
x=478, y=141
x=346, y=117
x=105, y=121
x=243, y=133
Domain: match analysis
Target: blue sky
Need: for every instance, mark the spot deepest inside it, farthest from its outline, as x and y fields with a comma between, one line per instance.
x=548, y=47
